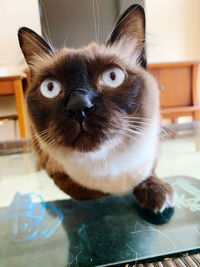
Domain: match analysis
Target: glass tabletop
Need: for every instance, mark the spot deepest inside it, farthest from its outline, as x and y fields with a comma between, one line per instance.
x=41, y=226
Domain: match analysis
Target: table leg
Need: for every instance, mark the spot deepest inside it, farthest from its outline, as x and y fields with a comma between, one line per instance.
x=19, y=98
x=196, y=115
x=175, y=120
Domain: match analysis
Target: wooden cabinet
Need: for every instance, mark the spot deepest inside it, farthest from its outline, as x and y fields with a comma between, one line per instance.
x=178, y=84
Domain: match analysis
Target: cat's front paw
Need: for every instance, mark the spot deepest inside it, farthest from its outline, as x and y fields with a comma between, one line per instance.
x=155, y=200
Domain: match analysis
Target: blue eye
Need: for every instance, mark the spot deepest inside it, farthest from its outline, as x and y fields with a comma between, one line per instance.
x=50, y=88
x=113, y=77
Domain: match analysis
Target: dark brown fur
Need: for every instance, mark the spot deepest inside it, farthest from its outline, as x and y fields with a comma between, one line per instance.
x=152, y=193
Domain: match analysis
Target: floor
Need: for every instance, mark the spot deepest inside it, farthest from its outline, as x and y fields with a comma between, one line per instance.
x=18, y=173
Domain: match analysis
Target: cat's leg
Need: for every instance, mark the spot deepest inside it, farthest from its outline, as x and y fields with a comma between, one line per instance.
x=76, y=191
x=155, y=199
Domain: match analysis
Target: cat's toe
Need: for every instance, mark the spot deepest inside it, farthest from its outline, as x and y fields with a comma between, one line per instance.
x=168, y=203
x=155, y=200
x=156, y=217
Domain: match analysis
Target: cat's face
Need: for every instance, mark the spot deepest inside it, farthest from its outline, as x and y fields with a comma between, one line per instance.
x=93, y=96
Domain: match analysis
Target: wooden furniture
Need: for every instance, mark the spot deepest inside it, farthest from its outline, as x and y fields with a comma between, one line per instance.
x=13, y=85
x=179, y=94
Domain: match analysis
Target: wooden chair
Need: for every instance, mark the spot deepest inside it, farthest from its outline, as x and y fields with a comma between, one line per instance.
x=12, y=85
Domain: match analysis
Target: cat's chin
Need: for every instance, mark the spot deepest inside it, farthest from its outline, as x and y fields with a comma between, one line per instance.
x=87, y=142
x=84, y=142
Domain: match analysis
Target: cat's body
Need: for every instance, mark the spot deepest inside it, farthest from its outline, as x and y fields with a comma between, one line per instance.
x=94, y=113
x=115, y=167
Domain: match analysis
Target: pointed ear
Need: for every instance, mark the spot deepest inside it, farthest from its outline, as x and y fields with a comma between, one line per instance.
x=131, y=26
x=32, y=44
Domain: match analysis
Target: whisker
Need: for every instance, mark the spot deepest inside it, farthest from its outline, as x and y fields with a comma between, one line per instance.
x=133, y=131
x=48, y=35
x=123, y=132
x=140, y=122
x=137, y=118
x=143, y=131
x=116, y=20
x=94, y=16
x=66, y=38
x=174, y=132
x=146, y=122
x=138, y=128
x=40, y=134
x=97, y=7
x=150, y=134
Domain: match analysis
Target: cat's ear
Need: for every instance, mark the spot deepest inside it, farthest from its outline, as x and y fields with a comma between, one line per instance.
x=32, y=44
x=131, y=26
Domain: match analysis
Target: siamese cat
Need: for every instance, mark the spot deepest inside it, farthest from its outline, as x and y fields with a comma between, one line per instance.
x=94, y=115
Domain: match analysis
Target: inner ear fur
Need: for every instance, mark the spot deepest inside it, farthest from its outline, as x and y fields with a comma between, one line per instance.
x=32, y=44
x=131, y=25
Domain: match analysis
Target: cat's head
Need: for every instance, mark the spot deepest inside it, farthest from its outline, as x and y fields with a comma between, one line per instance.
x=93, y=96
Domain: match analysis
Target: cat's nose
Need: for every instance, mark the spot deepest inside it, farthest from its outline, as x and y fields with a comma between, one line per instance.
x=79, y=104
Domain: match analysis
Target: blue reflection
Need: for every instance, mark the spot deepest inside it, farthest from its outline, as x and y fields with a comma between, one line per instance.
x=29, y=219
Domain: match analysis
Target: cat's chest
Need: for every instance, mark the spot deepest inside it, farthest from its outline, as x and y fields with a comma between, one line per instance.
x=112, y=164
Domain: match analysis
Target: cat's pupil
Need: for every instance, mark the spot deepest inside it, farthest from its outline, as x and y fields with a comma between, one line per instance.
x=50, y=86
x=112, y=75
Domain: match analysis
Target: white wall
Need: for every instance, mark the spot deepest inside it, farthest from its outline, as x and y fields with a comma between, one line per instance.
x=15, y=14
x=173, y=30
